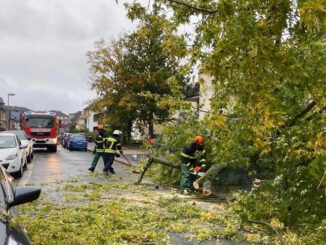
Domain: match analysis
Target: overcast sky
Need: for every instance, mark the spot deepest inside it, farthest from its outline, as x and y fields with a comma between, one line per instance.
x=43, y=45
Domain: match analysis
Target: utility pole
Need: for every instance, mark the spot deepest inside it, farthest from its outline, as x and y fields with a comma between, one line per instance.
x=10, y=94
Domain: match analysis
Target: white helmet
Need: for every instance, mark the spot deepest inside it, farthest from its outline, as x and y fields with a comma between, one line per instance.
x=117, y=132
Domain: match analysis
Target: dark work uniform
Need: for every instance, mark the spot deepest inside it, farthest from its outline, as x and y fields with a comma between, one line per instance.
x=191, y=157
x=99, y=152
x=111, y=144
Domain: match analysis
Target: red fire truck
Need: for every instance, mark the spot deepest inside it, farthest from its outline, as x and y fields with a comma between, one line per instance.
x=42, y=128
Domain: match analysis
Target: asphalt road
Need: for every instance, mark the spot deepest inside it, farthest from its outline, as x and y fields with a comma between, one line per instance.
x=48, y=167
x=51, y=170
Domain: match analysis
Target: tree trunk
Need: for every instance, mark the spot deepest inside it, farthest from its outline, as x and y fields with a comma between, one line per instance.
x=145, y=168
x=150, y=128
x=151, y=160
x=164, y=162
x=207, y=188
x=150, y=123
x=211, y=174
x=129, y=129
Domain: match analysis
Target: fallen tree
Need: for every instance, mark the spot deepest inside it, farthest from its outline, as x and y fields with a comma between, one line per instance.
x=149, y=163
x=216, y=174
x=211, y=173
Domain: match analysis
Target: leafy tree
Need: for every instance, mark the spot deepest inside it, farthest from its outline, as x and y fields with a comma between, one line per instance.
x=267, y=59
x=152, y=62
x=114, y=103
x=135, y=76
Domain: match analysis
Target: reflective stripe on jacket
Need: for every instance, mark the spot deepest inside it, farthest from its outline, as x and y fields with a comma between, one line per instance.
x=188, y=156
x=99, y=141
x=191, y=157
x=111, y=145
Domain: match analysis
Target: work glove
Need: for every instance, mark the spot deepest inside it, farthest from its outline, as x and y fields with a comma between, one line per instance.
x=197, y=169
x=202, y=161
x=121, y=152
x=117, y=155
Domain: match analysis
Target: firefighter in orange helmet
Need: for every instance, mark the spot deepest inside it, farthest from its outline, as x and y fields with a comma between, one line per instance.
x=192, y=161
x=99, y=148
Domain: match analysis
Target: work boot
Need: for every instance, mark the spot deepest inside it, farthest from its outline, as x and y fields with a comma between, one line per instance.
x=105, y=172
x=186, y=192
x=112, y=171
x=91, y=169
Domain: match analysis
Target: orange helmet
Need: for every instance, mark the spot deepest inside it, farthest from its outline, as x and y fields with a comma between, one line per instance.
x=199, y=140
x=100, y=127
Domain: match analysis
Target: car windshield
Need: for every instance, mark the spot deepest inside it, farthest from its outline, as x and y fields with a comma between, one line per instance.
x=21, y=135
x=79, y=137
x=43, y=122
x=7, y=141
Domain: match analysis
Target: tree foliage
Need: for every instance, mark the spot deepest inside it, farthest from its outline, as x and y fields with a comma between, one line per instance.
x=135, y=76
x=267, y=59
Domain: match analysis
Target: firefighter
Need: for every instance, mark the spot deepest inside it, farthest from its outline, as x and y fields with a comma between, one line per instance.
x=99, y=147
x=111, y=144
x=192, y=161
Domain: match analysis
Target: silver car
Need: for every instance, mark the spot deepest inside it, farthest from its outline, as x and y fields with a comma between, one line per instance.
x=12, y=154
x=25, y=141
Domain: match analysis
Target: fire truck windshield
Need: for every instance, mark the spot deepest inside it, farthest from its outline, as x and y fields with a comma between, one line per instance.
x=40, y=122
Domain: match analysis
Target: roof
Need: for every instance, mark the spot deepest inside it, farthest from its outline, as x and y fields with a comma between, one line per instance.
x=75, y=116
x=18, y=108
x=59, y=113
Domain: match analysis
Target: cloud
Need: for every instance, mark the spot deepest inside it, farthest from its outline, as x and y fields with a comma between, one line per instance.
x=43, y=49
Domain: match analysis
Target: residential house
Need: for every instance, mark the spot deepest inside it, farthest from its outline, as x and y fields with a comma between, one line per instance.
x=77, y=119
x=63, y=119
x=2, y=115
x=15, y=116
x=90, y=117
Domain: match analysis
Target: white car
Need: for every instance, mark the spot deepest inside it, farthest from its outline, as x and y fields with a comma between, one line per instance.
x=25, y=141
x=12, y=154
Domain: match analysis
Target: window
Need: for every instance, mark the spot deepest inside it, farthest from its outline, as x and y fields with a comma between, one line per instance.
x=40, y=122
x=7, y=141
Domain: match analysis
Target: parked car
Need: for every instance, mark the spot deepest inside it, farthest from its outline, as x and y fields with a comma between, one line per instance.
x=12, y=154
x=23, y=138
x=65, y=139
x=77, y=142
x=151, y=138
x=11, y=196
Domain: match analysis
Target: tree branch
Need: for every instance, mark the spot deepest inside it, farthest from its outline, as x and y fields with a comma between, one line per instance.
x=316, y=113
x=321, y=180
x=268, y=225
x=208, y=11
x=309, y=106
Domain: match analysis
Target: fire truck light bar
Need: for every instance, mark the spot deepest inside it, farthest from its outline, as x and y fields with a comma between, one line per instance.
x=29, y=113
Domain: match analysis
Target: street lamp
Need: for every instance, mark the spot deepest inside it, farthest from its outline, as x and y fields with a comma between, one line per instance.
x=10, y=94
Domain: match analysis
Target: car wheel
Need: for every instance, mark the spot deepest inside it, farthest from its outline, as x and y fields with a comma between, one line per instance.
x=25, y=165
x=29, y=159
x=19, y=173
x=70, y=148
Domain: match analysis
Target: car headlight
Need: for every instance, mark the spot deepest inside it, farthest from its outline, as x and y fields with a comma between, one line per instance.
x=12, y=157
